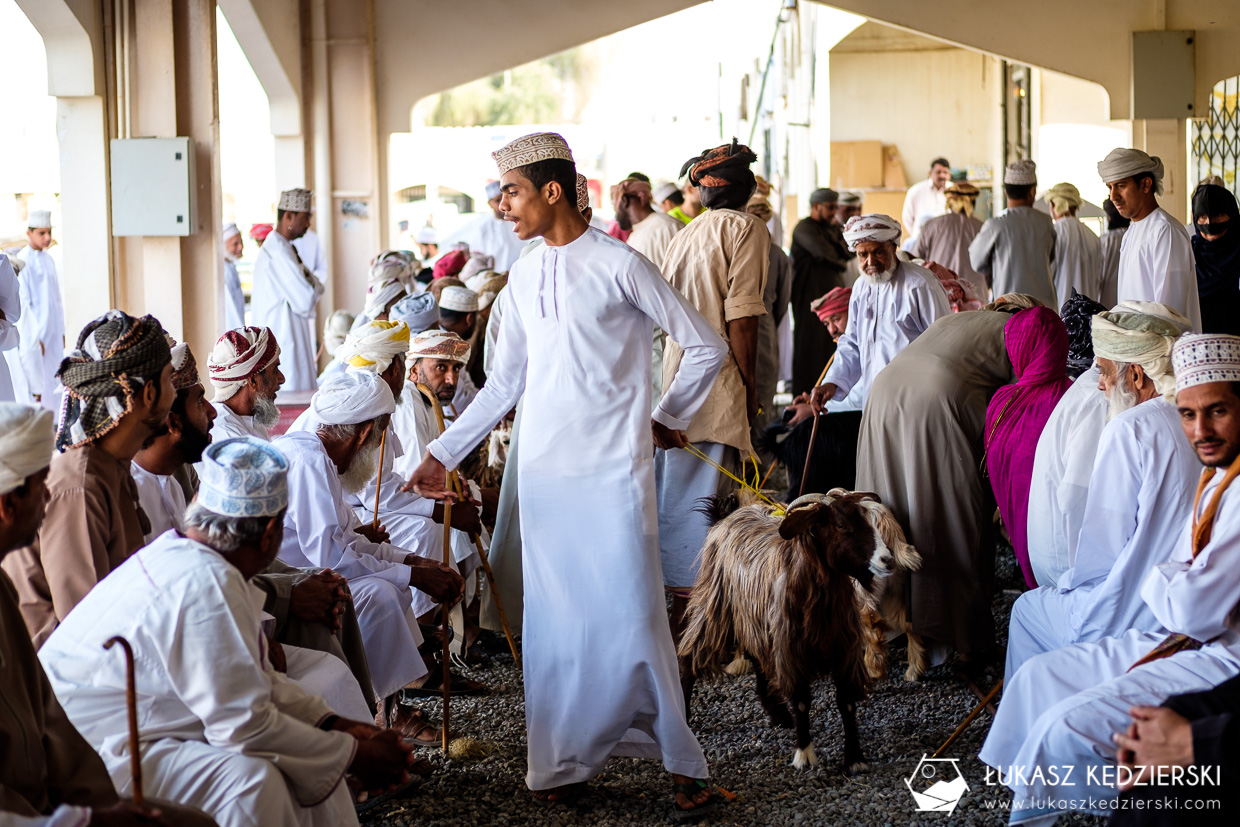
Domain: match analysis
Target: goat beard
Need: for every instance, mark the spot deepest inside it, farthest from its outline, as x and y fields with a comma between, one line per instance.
x=1120, y=398
x=266, y=413
x=362, y=469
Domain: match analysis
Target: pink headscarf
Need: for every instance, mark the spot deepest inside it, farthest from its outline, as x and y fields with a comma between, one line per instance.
x=1037, y=345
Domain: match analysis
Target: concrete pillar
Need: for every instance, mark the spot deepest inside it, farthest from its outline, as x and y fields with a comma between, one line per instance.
x=173, y=91
x=1168, y=139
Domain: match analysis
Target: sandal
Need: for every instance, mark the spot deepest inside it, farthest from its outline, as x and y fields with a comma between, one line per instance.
x=433, y=688
x=689, y=790
x=569, y=795
x=416, y=729
x=403, y=791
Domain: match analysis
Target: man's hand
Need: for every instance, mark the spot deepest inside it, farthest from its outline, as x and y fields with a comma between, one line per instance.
x=320, y=598
x=126, y=814
x=490, y=505
x=437, y=580
x=374, y=535
x=465, y=518
x=821, y=395
x=800, y=412
x=275, y=654
x=430, y=480
x=382, y=761
x=752, y=405
x=1157, y=737
x=360, y=730
x=665, y=437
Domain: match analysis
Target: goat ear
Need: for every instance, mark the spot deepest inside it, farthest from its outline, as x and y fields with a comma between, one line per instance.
x=869, y=495
x=800, y=518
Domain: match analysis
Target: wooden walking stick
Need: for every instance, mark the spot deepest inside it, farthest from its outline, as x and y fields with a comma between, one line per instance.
x=990, y=696
x=459, y=487
x=813, y=431
x=445, y=674
x=379, y=478
x=131, y=701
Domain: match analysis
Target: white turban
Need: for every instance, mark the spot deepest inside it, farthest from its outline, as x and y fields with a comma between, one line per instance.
x=381, y=295
x=230, y=230
x=351, y=397
x=1123, y=163
x=373, y=345
x=385, y=270
x=1202, y=358
x=478, y=263
x=238, y=355
x=243, y=477
x=420, y=312
x=872, y=227
x=1140, y=339
x=1156, y=309
x=439, y=344
x=1064, y=198
x=336, y=330
x=27, y=442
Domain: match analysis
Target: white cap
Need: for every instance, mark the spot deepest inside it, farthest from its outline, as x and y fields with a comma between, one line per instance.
x=296, y=200
x=39, y=220
x=459, y=299
x=427, y=235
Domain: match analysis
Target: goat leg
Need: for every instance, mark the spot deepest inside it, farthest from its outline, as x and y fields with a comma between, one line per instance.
x=780, y=717
x=687, y=681
x=847, y=695
x=804, y=756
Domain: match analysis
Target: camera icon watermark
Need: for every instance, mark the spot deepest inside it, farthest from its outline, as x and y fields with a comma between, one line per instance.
x=937, y=785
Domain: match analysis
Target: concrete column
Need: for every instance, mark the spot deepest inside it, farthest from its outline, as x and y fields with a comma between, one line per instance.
x=1168, y=139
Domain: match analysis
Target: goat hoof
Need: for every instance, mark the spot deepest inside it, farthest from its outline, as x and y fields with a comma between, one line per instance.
x=856, y=767
x=803, y=758
x=912, y=674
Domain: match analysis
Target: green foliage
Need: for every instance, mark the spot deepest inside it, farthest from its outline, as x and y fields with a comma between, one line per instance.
x=550, y=90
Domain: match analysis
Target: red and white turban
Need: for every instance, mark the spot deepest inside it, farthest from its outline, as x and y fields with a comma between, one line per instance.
x=871, y=227
x=439, y=344
x=238, y=355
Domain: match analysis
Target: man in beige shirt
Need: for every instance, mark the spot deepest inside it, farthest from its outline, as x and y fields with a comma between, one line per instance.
x=719, y=263
x=93, y=520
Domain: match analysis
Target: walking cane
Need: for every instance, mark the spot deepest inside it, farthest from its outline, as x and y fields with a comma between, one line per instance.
x=990, y=696
x=813, y=431
x=457, y=486
x=131, y=701
x=445, y=673
x=379, y=478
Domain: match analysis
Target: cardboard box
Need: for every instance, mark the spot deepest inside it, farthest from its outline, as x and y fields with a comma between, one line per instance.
x=888, y=202
x=893, y=169
x=856, y=165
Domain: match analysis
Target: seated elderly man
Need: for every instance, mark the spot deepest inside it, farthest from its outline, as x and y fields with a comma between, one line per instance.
x=1140, y=494
x=221, y=730
x=890, y=306
x=324, y=672
x=244, y=368
x=410, y=521
x=352, y=409
x=1061, y=708
x=54, y=778
x=1065, y=454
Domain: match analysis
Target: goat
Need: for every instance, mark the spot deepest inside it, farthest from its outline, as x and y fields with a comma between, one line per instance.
x=885, y=603
x=781, y=592
x=485, y=464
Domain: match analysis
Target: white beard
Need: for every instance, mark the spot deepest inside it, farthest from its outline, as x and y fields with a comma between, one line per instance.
x=1120, y=398
x=266, y=413
x=884, y=276
x=362, y=469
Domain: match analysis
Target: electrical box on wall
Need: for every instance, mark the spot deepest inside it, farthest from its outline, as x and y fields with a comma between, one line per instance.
x=152, y=186
x=1163, y=71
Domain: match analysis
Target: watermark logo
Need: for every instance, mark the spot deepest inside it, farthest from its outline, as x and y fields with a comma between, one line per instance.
x=937, y=785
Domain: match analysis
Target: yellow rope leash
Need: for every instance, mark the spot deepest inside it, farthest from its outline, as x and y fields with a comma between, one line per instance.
x=743, y=483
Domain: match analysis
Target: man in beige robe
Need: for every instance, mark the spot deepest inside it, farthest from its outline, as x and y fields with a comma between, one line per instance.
x=93, y=519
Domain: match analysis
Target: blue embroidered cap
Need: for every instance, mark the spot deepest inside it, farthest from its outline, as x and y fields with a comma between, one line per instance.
x=243, y=477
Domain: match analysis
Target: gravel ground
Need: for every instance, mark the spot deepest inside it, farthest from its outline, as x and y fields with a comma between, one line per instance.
x=899, y=722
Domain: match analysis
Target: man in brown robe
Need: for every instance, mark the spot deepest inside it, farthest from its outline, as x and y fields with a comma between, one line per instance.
x=119, y=390
x=920, y=448
x=49, y=769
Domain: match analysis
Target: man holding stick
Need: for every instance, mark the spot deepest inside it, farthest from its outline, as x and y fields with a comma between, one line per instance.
x=600, y=670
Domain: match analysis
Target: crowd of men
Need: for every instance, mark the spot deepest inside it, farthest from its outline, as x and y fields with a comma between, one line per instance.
x=286, y=591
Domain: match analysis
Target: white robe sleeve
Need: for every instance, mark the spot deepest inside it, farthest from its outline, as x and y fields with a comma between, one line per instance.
x=846, y=366
x=704, y=349
x=323, y=530
x=214, y=664
x=498, y=396
x=1198, y=598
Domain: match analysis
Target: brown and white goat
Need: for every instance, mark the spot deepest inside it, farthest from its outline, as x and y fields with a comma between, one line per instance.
x=887, y=600
x=780, y=591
